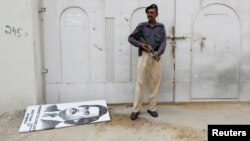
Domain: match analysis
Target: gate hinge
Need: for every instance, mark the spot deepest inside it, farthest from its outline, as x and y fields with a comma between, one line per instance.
x=42, y=10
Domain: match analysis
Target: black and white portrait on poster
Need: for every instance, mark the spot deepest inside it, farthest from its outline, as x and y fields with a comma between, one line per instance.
x=42, y=117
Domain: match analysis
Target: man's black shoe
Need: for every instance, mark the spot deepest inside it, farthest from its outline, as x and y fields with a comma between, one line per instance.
x=153, y=113
x=134, y=115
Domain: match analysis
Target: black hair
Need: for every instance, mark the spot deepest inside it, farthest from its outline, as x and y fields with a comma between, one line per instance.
x=152, y=6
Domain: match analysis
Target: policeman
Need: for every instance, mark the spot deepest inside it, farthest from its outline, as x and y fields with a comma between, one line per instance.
x=154, y=34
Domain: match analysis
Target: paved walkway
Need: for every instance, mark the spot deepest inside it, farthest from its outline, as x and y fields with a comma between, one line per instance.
x=182, y=122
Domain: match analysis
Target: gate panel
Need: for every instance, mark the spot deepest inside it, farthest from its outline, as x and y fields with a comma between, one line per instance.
x=74, y=50
x=208, y=59
x=215, y=53
x=75, y=58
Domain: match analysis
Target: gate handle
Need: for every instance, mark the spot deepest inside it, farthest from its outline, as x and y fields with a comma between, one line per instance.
x=203, y=43
x=44, y=71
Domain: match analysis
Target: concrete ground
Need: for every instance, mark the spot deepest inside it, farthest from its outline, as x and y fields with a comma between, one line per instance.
x=176, y=122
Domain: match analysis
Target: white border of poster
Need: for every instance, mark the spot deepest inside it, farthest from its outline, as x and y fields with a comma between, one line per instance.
x=51, y=116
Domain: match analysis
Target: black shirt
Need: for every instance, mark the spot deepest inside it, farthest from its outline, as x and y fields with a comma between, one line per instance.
x=155, y=36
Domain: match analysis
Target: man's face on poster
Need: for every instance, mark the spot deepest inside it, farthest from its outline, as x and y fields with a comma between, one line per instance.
x=80, y=112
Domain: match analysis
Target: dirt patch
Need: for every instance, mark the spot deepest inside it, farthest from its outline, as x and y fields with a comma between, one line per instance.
x=125, y=121
x=190, y=134
x=10, y=123
x=149, y=127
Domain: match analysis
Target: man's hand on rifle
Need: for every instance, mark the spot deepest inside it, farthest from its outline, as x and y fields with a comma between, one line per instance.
x=154, y=54
x=157, y=53
x=144, y=46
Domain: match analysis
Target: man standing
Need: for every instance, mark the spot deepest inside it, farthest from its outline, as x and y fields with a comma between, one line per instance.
x=147, y=34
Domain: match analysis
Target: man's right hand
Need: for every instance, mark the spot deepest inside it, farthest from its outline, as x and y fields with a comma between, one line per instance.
x=144, y=46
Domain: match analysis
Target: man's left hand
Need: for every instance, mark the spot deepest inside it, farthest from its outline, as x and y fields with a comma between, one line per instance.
x=157, y=53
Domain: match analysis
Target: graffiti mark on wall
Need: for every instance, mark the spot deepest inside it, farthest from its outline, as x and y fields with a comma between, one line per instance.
x=15, y=31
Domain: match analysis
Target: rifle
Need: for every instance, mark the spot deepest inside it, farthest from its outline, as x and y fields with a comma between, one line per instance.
x=150, y=50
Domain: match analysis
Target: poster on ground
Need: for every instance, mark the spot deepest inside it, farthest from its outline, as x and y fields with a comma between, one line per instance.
x=51, y=116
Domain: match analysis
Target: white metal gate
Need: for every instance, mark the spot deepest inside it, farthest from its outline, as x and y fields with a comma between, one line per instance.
x=208, y=60
x=88, y=56
x=215, y=53
x=75, y=61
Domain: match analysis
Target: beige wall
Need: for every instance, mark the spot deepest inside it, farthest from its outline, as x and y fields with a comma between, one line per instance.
x=20, y=57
